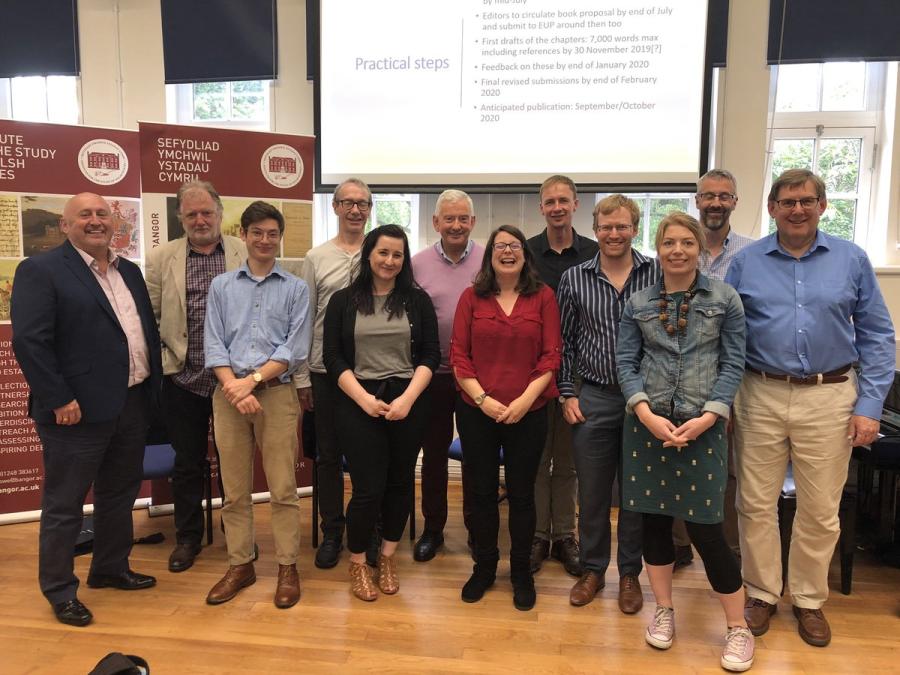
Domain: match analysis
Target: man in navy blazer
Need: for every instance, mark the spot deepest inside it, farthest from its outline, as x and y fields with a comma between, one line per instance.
x=86, y=339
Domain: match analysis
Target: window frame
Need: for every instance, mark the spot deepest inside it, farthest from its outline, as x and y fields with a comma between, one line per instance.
x=180, y=108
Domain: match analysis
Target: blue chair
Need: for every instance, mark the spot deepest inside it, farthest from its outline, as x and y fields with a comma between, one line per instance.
x=159, y=462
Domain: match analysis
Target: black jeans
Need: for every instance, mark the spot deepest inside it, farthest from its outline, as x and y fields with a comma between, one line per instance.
x=721, y=565
x=187, y=423
x=522, y=444
x=381, y=456
x=328, y=456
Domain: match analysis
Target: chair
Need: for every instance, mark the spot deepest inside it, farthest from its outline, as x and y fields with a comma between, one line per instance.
x=308, y=435
x=159, y=462
x=787, y=508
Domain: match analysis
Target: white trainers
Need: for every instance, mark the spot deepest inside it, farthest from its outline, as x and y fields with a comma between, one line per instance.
x=661, y=631
x=738, y=654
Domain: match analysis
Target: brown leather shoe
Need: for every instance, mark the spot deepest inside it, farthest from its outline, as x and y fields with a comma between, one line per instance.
x=585, y=589
x=540, y=551
x=386, y=576
x=361, y=582
x=813, y=626
x=757, y=613
x=236, y=578
x=631, y=598
x=287, y=590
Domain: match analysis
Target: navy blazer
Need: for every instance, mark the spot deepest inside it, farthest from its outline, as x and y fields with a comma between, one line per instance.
x=68, y=340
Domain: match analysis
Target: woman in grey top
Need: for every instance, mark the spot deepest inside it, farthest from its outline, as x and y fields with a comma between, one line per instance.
x=381, y=347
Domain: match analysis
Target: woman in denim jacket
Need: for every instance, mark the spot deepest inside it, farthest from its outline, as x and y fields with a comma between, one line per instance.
x=680, y=359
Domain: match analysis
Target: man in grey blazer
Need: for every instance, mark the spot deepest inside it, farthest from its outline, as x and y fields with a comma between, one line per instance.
x=178, y=275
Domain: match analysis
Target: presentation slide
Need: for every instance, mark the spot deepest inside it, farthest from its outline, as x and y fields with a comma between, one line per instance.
x=507, y=92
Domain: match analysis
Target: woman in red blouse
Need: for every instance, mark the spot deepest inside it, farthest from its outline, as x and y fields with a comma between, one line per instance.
x=505, y=350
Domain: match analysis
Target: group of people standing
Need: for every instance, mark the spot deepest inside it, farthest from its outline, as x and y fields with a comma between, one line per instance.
x=573, y=363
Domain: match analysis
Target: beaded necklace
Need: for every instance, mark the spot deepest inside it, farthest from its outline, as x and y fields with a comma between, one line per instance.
x=664, y=317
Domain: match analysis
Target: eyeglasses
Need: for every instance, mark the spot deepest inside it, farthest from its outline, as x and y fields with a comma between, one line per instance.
x=259, y=235
x=348, y=204
x=620, y=229
x=724, y=197
x=512, y=246
x=805, y=202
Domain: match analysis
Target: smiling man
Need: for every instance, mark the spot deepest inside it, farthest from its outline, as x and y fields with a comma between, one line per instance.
x=256, y=336
x=591, y=299
x=813, y=311
x=86, y=340
x=555, y=250
x=178, y=275
x=444, y=271
x=716, y=200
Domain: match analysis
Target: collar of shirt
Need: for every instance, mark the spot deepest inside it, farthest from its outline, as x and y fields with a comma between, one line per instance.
x=192, y=251
x=542, y=243
x=244, y=270
x=774, y=246
x=638, y=260
x=439, y=247
x=90, y=261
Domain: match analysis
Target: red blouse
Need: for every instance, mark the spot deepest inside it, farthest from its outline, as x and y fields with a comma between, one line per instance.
x=505, y=353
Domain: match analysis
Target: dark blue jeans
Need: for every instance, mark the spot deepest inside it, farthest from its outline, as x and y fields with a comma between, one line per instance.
x=597, y=448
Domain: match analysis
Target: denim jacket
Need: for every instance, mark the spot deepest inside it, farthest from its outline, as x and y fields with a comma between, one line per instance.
x=681, y=376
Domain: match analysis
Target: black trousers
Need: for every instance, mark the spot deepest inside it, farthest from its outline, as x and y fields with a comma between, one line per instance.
x=110, y=456
x=187, y=422
x=522, y=443
x=329, y=463
x=722, y=568
x=381, y=456
x=438, y=435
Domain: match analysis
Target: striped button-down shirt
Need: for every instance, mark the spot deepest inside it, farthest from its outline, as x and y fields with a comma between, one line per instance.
x=590, y=308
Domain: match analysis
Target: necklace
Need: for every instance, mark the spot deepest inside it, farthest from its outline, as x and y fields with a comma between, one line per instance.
x=664, y=317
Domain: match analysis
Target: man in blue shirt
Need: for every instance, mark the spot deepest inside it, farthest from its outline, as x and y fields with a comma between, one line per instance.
x=256, y=335
x=813, y=309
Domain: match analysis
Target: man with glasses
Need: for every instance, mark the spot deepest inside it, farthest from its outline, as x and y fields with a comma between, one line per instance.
x=555, y=250
x=591, y=299
x=256, y=336
x=326, y=269
x=716, y=199
x=813, y=310
x=178, y=275
x=444, y=270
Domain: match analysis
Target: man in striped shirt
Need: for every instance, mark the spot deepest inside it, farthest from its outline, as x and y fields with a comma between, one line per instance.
x=591, y=298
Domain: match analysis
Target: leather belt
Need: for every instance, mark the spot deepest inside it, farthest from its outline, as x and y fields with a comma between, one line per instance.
x=603, y=387
x=268, y=384
x=831, y=377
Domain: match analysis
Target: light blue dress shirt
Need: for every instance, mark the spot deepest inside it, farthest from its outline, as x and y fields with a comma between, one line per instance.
x=251, y=321
x=816, y=313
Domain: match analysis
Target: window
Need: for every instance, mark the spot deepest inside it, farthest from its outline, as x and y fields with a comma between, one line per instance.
x=40, y=99
x=243, y=105
x=654, y=207
x=825, y=119
x=396, y=209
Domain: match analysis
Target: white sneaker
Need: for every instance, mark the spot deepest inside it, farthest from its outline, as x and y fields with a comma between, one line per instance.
x=738, y=654
x=661, y=631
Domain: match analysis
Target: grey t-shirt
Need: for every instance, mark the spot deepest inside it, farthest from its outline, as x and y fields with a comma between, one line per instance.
x=382, y=347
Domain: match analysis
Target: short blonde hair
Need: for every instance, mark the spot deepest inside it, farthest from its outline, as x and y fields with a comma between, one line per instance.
x=685, y=220
x=614, y=202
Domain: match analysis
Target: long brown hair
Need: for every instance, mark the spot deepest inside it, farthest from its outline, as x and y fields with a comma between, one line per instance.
x=486, y=280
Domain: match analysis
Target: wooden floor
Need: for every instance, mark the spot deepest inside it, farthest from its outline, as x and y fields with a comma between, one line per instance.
x=423, y=629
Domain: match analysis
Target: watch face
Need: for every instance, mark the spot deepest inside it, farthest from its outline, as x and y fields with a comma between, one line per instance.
x=257, y=377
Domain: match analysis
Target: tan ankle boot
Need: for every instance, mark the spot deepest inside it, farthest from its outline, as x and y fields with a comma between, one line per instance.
x=361, y=582
x=387, y=575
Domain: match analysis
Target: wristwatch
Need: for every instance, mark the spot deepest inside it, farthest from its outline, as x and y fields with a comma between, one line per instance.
x=257, y=376
x=480, y=398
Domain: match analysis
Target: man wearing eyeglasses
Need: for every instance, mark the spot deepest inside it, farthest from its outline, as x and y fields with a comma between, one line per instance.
x=328, y=268
x=813, y=310
x=555, y=250
x=178, y=275
x=444, y=270
x=591, y=298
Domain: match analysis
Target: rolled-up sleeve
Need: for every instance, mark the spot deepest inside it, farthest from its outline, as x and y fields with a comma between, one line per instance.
x=214, y=346
x=732, y=349
x=461, y=337
x=629, y=350
x=295, y=348
x=551, y=339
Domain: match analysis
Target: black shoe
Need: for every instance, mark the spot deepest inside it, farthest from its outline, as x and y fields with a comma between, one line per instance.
x=524, y=595
x=373, y=552
x=684, y=555
x=427, y=546
x=72, y=612
x=540, y=551
x=482, y=578
x=329, y=552
x=182, y=558
x=127, y=581
x=567, y=552
x=470, y=542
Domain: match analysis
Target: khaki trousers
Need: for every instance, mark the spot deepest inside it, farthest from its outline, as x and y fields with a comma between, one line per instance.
x=274, y=430
x=556, y=487
x=776, y=422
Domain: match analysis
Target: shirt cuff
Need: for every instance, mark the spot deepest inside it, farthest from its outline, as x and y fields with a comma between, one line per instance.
x=566, y=389
x=634, y=400
x=868, y=407
x=718, y=408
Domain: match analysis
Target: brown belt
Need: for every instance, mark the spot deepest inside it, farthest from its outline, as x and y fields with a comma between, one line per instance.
x=268, y=384
x=831, y=377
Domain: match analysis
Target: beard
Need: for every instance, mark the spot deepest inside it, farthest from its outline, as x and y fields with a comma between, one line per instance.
x=715, y=221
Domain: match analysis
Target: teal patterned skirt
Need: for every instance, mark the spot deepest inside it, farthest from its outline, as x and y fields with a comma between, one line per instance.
x=687, y=483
